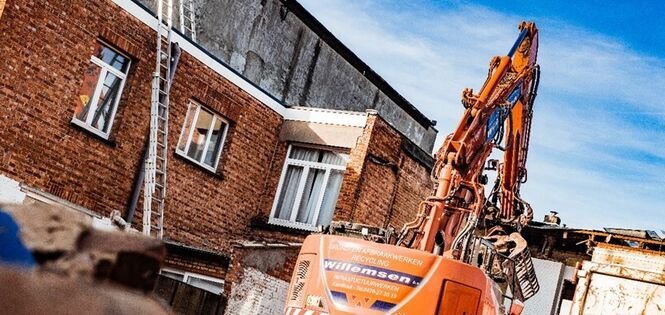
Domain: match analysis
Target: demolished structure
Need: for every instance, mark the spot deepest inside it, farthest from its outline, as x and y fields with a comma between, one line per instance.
x=614, y=271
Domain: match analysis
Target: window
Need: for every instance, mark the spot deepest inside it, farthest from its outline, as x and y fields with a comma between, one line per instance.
x=202, y=137
x=209, y=284
x=102, y=86
x=308, y=188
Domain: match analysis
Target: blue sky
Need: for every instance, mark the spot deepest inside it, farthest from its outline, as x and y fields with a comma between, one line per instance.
x=597, y=152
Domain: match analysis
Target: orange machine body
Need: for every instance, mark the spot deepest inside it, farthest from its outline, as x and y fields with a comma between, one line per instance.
x=341, y=275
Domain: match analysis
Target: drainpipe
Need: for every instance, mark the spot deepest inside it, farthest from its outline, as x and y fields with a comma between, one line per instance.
x=136, y=190
x=393, y=195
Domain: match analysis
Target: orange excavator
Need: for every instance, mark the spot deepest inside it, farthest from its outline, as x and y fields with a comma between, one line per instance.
x=463, y=253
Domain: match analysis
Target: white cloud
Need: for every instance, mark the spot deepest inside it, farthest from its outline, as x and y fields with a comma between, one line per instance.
x=597, y=152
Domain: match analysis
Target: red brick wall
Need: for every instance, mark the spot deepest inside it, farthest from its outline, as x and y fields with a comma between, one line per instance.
x=414, y=186
x=2, y=6
x=207, y=267
x=46, y=47
x=349, y=192
x=392, y=183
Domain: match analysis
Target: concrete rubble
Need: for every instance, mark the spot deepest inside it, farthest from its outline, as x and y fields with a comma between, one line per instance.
x=79, y=269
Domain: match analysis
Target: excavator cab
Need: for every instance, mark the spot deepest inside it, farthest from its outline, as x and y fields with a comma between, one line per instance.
x=342, y=275
x=355, y=270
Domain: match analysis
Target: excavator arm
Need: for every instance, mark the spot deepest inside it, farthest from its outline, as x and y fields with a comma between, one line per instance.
x=448, y=220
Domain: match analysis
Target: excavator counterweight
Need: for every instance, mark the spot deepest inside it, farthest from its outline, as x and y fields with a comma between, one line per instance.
x=462, y=253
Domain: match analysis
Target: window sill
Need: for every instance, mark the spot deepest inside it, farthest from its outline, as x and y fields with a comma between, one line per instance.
x=263, y=223
x=193, y=162
x=87, y=129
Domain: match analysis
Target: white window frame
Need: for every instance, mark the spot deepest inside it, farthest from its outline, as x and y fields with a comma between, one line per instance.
x=307, y=165
x=215, y=117
x=87, y=124
x=186, y=275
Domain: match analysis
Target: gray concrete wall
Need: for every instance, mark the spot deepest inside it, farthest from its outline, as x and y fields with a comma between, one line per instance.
x=550, y=278
x=279, y=53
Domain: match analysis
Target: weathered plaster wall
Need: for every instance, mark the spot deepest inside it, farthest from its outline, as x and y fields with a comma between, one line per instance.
x=274, y=49
x=258, y=293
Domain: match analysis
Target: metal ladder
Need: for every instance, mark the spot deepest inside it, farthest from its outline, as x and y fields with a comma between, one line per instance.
x=188, y=18
x=154, y=191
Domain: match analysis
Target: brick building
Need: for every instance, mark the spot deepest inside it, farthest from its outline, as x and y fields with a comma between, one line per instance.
x=251, y=171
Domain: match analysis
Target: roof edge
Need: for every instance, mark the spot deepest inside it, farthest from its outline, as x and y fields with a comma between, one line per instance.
x=313, y=24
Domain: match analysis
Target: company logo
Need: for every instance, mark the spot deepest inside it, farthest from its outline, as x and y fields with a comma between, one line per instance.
x=372, y=272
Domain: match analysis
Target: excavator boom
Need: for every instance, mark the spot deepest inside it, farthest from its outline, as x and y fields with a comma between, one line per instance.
x=462, y=253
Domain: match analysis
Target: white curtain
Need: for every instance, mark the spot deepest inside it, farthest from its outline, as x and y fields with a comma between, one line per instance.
x=334, y=158
x=330, y=197
x=310, y=196
x=304, y=154
x=314, y=186
x=289, y=190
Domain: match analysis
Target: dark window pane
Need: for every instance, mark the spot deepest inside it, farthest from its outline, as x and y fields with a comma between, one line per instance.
x=210, y=286
x=112, y=58
x=172, y=275
x=215, y=142
x=106, y=103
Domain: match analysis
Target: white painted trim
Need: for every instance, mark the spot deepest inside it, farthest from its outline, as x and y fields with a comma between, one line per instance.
x=55, y=200
x=319, y=201
x=316, y=115
x=225, y=125
x=251, y=244
x=307, y=165
x=293, y=224
x=94, y=100
x=187, y=274
x=316, y=165
x=279, y=186
x=326, y=116
x=299, y=192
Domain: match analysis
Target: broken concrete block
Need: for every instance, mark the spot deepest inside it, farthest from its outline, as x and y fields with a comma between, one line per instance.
x=48, y=228
x=65, y=243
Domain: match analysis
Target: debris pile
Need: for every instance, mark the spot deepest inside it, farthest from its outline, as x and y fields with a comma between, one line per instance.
x=59, y=263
